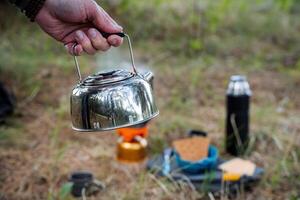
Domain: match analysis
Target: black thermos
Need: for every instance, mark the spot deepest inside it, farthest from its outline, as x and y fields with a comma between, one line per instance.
x=237, y=115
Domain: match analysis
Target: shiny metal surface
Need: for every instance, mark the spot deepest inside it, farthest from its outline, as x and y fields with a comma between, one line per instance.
x=110, y=100
x=131, y=53
x=238, y=85
x=109, y=77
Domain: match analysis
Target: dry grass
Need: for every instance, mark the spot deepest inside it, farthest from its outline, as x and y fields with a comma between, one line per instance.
x=37, y=156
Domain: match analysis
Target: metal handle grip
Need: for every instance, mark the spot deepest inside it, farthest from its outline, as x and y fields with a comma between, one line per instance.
x=106, y=35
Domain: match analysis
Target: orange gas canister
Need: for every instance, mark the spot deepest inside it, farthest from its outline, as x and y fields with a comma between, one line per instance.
x=132, y=152
x=132, y=144
x=129, y=133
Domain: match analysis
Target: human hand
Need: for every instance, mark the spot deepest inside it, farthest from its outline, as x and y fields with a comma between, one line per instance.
x=75, y=22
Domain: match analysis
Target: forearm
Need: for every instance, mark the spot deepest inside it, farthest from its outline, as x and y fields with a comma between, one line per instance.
x=29, y=7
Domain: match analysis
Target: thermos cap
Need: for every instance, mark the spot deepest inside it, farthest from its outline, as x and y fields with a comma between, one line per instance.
x=238, y=86
x=236, y=78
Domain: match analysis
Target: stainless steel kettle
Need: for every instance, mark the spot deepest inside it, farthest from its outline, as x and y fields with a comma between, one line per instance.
x=112, y=99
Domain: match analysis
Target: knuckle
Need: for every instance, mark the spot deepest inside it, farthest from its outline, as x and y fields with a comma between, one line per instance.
x=90, y=51
x=85, y=43
x=104, y=45
x=99, y=44
x=105, y=48
x=88, y=48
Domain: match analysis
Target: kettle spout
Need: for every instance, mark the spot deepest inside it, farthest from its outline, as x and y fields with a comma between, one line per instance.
x=149, y=77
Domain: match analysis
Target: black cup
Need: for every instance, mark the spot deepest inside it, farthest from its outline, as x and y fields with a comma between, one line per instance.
x=80, y=180
x=192, y=133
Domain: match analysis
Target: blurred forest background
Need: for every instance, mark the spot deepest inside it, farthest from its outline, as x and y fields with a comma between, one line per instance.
x=193, y=47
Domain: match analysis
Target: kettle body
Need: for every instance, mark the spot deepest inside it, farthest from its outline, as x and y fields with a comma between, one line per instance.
x=111, y=100
x=114, y=99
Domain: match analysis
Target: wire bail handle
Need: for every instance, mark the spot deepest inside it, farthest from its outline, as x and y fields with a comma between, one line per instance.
x=106, y=35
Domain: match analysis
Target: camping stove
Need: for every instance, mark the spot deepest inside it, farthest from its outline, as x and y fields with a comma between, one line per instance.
x=132, y=143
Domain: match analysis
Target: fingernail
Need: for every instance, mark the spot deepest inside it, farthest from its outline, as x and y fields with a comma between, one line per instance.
x=79, y=35
x=117, y=26
x=93, y=33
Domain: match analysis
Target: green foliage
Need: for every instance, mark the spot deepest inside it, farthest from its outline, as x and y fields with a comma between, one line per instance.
x=62, y=194
x=255, y=33
x=65, y=190
x=285, y=5
x=24, y=48
x=196, y=44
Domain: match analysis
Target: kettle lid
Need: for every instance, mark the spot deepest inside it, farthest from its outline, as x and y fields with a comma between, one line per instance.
x=109, y=77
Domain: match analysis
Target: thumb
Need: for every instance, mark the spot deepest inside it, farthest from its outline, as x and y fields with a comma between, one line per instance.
x=102, y=21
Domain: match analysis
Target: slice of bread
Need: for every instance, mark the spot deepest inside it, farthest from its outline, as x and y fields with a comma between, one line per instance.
x=238, y=166
x=192, y=149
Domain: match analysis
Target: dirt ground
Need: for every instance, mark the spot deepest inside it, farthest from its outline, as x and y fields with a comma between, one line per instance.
x=40, y=149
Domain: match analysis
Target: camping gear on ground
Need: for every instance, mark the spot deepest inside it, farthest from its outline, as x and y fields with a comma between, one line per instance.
x=129, y=133
x=237, y=118
x=203, y=164
x=196, y=133
x=84, y=184
x=192, y=148
x=238, y=166
x=113, y=99
x=132, y=143
x=215, y=178
x=132, y=152
x=7, y=102
x=195, y=153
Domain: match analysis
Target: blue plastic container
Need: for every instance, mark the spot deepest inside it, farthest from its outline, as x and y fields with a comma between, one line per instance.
x=201, y=165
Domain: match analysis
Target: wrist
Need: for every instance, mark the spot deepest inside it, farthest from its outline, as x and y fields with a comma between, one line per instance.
x=30, y=8
x=33, y=8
